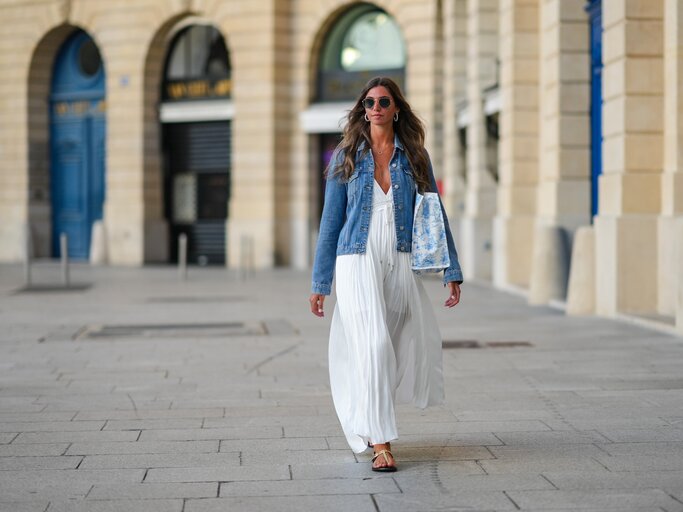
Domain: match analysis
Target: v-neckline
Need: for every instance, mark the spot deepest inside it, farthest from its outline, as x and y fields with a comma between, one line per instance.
x=380, y=187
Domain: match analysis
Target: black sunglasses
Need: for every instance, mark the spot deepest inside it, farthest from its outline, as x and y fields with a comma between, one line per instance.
x=384, y=102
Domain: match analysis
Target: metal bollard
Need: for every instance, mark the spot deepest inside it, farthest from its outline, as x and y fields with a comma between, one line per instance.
x=247, y=265
x=28, y=254
x=182, y=256
x=64, y=250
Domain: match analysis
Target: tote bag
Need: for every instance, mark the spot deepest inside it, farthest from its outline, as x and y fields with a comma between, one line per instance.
x=429, y=252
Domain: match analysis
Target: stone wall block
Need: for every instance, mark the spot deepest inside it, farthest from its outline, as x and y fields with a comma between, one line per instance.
x=550, y=265
x=581, y=289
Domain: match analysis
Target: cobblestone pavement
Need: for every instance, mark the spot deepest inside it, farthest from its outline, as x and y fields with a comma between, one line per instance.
x=144, y=393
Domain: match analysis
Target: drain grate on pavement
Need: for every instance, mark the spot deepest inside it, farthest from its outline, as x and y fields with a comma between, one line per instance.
x=171, y=330
x=461, y=344
x=487, y=344
x=53, y=288
x=268, y=327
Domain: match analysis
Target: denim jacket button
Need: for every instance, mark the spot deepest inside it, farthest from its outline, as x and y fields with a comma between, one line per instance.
x=396, y=186
x=394, y=164
x=401, y=228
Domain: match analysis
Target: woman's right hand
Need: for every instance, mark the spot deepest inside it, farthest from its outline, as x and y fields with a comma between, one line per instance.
x=316, y=301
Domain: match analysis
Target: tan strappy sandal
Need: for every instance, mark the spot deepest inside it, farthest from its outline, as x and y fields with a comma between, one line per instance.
x=384, y=469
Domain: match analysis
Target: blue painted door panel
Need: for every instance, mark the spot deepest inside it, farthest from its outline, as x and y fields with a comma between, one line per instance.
x=77, y=143
x=69, y=182
x=594, y=8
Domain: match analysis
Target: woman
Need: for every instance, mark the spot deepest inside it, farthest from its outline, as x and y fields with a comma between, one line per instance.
x=385, y=344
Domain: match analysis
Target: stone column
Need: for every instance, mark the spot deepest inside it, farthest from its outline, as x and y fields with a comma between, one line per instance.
x=630, y=186
x=672, y=178
x=480, y=202
x=563, y=192
x=518, y=145
x=252, y=203
x=454, y=87
x=418, y=21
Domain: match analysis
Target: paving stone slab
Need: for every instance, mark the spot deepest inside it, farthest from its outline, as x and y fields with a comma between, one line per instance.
x=604, y=499
x=144, y=447
x=334, y=503
x=154, y=424
x=32, y=417
x=299, y=443
x=117, y=505
x=313, y=457
x=67, y=476
x=231, y=412
x=545, y=452
x=322, y=423
x=74, y=437
x=309, y=487
x=363, y=470
x=550, y=438
x=161, y=460
x=17, y=449
x=19, y=463
x=540, y=464
x=51, y=426
x=227, y=433
x=31, y=491
x=644, y=435
x=147, y=491
x=440, y=479
x=430, y=502
x=219, y=474
x=578, y=480
x=150, y=414
x=669, y=462
x=655, y=448
x=27, y=506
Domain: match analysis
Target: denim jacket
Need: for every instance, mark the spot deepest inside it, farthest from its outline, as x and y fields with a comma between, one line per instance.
x=348, y=205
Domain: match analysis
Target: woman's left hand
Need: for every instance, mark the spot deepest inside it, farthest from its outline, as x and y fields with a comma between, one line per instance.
x=454, y=296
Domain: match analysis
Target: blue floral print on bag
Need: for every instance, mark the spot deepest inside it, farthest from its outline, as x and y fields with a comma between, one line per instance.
x=429, y=251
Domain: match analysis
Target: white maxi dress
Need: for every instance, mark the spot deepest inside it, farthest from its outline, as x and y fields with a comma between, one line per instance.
x=385, y=345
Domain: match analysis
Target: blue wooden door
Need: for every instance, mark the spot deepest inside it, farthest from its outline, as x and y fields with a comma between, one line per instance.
x=77, y=144
x=594, y=8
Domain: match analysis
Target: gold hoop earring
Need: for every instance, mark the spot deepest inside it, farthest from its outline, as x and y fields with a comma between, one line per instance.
x=367, y=119
x=395, y=116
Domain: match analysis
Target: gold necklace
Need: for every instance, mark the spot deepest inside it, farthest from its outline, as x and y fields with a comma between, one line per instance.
x=385, y=148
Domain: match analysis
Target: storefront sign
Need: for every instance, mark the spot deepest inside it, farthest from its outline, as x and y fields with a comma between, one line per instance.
x=197, y=89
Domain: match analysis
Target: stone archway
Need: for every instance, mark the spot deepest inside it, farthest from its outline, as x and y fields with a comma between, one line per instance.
x=39, y=81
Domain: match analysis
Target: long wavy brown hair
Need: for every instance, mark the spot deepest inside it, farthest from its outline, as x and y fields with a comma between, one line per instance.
x=409, y=128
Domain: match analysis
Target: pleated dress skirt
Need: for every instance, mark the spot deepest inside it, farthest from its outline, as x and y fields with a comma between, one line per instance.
x=385, y=345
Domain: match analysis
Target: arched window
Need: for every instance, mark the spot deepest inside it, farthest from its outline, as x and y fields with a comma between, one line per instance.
x=198, y=65
x=364, y=43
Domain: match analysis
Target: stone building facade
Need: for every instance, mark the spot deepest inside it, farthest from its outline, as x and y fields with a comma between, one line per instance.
x=554, y=126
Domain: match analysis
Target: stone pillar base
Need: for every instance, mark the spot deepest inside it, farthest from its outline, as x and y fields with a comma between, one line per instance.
x=98, y=244
x=12, y=246
x=581, y=289
x=124, y=241
x=475, y=254
x=299, y=244
x=626, y=264
x=550, y=265
x=679, y=272
x=156, y=241
x=259, y=232
x=512, y=243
